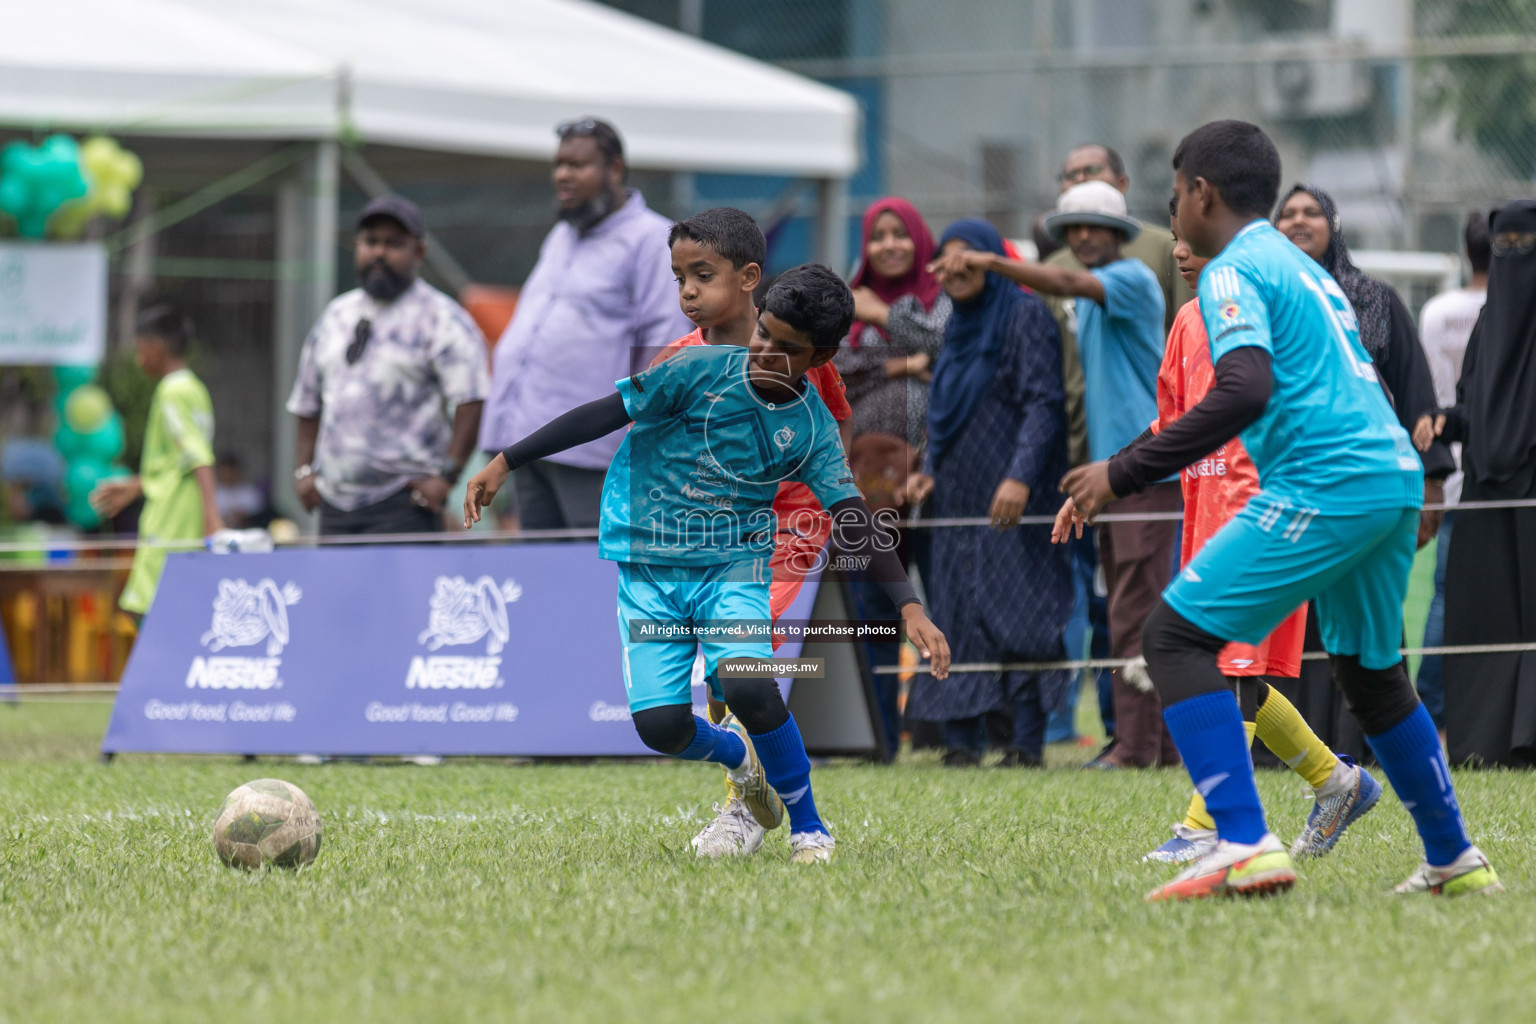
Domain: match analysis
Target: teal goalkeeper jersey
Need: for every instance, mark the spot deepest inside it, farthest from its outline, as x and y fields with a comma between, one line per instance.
x=694, y=480
x=1328, y=439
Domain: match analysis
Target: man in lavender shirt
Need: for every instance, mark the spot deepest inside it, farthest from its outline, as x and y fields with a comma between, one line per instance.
x=601, y=301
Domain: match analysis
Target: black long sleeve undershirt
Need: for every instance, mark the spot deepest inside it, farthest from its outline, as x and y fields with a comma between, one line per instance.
x=854, y=530
x=582, y=424
x=853, y=522
x=1244, y=382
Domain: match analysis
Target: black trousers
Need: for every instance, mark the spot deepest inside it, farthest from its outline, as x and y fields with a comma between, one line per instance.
x=395, y=514
x=554, y=496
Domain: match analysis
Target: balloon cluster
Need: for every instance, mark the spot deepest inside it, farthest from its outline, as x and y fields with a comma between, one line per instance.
x=89, y=436
x=59, y=186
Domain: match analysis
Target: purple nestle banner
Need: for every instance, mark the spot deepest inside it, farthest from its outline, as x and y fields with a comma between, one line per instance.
x=425, y=649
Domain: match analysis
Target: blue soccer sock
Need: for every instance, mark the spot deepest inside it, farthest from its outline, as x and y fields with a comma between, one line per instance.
x=788, y=769
x=712, y=743
x=1208, y=731
x=1410, y=754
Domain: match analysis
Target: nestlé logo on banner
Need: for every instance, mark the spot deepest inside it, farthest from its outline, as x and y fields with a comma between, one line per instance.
x=461, y=613
x=245, y=614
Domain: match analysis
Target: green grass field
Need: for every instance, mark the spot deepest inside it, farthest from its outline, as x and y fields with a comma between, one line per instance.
x=487, y=892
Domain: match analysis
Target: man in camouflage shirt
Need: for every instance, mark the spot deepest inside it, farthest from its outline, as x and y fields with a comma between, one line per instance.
x=390, y=388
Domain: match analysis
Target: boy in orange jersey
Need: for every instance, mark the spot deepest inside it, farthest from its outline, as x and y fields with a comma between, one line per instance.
x=717, y=257
x=1215, y=489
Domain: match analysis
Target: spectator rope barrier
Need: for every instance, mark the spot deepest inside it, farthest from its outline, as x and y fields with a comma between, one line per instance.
x=13, y=692
x=1098, y=663
x=526, y=536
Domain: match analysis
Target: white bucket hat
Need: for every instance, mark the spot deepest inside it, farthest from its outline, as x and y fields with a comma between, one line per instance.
x=1091, y=202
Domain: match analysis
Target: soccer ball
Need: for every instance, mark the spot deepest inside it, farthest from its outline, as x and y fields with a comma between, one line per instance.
x=268, y=821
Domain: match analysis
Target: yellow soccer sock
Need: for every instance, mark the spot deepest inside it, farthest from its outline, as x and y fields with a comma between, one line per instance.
x=1197, y=816
x=1291, y=739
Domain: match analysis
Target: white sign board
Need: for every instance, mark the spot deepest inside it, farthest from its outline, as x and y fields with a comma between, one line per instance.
x=53, y=303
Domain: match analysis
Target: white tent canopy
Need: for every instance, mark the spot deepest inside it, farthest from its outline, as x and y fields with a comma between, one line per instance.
x=475, y=76
x=489, y=77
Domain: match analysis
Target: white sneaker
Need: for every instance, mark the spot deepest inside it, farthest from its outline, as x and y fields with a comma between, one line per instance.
x=750, y=784
x=1186, y=845
x=1467, y=875
x=1349, y=794
x=1232, y=869
x=811, y=847
x=733, y=833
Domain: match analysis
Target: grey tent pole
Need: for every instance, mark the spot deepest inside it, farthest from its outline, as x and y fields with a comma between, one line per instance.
x=307, y=235
x=832, y=223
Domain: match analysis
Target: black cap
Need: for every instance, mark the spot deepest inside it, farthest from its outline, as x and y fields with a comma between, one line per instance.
x=398, y=209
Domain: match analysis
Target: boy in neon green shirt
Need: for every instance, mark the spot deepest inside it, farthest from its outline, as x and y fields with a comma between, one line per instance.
x=176, y=469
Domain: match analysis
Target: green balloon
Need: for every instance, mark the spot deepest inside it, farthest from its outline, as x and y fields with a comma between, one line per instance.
x=82, y=476
x=38, y=180
x=87, y=409
x=105, y=443
x=80, y=479
x=70, y=377
x=79, y=512
x=70, y=443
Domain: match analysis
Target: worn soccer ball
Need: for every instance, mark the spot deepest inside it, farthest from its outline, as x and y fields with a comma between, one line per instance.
x=267, y=822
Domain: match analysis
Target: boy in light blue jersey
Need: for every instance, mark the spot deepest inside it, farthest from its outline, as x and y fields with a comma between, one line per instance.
x=688, y=515
x=1336, y=519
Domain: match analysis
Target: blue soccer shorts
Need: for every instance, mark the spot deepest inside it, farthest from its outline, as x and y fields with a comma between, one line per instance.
x=654, y=597
x=1275, y=554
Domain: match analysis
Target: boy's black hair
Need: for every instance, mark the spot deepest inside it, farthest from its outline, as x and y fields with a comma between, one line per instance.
x=168, y=323
x=727, y=230
x=814, y=301
x=1479, y=247
x=1238, y=159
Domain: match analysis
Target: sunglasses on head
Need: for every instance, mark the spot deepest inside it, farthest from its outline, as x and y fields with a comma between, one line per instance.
x=359, y=341
x=577, y=128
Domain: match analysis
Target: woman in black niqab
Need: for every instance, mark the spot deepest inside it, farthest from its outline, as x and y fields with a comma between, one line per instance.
x=1490, y=576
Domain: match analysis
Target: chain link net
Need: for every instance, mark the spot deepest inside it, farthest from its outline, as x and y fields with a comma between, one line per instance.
x=1412, y=112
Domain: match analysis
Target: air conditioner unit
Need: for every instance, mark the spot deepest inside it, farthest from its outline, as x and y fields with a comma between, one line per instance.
x=1321, y=87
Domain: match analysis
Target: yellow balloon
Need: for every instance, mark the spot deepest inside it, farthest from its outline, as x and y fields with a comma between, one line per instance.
x=113, y=173
x=115, y=200
x=111, y=164
x=87, y=408
x=69, y=220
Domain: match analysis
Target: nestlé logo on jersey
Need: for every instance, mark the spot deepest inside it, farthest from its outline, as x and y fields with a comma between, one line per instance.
x=245, y=614
x=460, y=613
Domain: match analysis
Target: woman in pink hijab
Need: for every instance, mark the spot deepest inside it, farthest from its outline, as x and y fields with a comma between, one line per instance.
x=887, y=360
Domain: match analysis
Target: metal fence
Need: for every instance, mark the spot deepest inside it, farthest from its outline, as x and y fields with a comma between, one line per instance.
x=1412, y=112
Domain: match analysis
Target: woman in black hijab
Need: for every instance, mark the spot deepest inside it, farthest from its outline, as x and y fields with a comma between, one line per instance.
x=1490, y=577
x=1310, y=219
